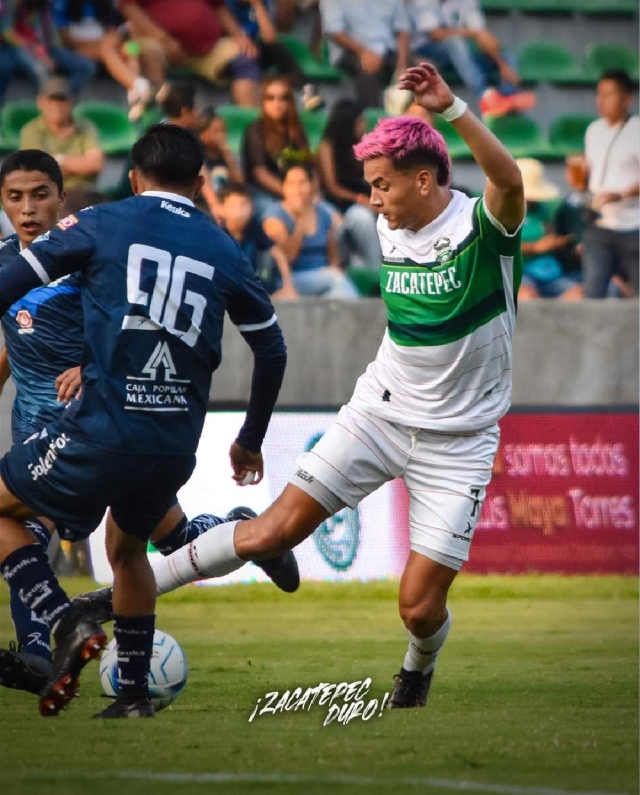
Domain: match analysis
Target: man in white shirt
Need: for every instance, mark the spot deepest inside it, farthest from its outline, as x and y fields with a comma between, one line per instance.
x=443, y=32
x=612, y=150
x=368, y=40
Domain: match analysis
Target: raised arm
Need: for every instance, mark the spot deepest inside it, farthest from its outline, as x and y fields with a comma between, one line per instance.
x=504, y=193
x=66, y=249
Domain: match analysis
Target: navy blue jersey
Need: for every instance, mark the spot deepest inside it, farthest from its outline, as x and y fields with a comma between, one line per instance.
x=43, y=338
x=158, y=276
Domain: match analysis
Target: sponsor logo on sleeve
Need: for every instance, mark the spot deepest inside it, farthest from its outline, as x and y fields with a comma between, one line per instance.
x=25, y=321
x=67, y=223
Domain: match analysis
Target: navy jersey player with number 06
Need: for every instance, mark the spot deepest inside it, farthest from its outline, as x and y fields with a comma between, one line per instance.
x=157, y=279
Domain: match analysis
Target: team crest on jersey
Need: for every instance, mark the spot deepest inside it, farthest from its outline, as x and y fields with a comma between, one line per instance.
x=442, y=247
x=43, y=237
x=67, y=223
x=25, y=321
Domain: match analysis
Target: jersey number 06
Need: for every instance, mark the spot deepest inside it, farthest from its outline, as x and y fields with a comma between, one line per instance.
x=168, y=297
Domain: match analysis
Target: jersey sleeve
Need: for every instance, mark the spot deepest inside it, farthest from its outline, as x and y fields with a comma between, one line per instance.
x=68, y=247
x=494, y=233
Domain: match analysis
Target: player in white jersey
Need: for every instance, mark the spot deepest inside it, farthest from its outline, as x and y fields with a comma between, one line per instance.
x=426, y=409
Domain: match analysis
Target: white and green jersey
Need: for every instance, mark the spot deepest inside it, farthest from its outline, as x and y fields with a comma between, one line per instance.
x=450, y=288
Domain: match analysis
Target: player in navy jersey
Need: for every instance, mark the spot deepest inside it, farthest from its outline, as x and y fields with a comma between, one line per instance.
x=157, y=277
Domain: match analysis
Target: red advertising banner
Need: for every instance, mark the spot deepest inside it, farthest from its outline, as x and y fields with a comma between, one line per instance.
x=564, y=497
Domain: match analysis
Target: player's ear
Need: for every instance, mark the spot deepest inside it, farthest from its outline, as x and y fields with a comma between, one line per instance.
x=133, y=180
x=424, y=181
x=198, y=186
x=62, y=198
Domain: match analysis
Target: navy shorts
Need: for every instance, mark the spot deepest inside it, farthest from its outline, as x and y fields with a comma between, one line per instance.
x=73, y=484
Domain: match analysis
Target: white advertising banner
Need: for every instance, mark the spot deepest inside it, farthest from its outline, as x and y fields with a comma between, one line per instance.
x=364, y=544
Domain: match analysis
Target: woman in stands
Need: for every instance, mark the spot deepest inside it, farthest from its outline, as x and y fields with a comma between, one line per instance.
x=342, y=179
x=275, y=140
x=306, y=233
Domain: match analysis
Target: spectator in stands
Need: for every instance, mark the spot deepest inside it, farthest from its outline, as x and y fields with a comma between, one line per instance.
x=83, y=24
x=29, y=43
x=236, y=213
x=221, y=162
x=179, y=107
x=305, y=231
x=544, y=276
x=445, y=32
x=139, y=65
x=342, y=179
x=73, y=142
x=254, y=17
x=612, y=151
x=271, y=142
x=201, y=35
x=370, y=40
x=287, y=12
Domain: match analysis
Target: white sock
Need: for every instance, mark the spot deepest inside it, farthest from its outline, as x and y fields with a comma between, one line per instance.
x=211, y=555
x=423, y=652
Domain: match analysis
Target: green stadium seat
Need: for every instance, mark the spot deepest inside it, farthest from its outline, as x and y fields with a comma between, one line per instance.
x=601, y=58
x=116, y=133
x=497, y=6
x=549, y=62
x=314, y=123
x=237, y=120
x=544, y=6
x=372, y=116
x=13, y=117
x=314, y=70
x=367, y=281
x=566, y=134
x=522, y=136
x=458, y=150
x=608, y=8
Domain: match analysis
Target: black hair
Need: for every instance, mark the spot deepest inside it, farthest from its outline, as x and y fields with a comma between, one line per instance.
x=207, y=115
x=340, y=129
x=624, y=82
x=305, y=166
x=420, y=158
x=169, y=155
x=179, y=96
x=32, y=160
x=104, y=12
x=233, y=189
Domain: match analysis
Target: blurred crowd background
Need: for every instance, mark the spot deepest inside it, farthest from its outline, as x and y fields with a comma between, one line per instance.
x=280, y=90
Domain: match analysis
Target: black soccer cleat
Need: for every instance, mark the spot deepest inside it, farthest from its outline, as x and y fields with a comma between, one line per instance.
x=21, y=670
x=283, y=570
x=411, y=689
x=128, y=707
x=95, y=606
x=78, y=641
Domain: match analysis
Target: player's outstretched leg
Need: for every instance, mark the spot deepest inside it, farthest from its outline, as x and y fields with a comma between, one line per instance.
x=284, y=525
x=28, y=666
x=282, y=570
x=423, y=608
x=134, y=598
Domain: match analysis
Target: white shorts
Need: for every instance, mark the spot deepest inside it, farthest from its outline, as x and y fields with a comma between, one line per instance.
x=445, y=475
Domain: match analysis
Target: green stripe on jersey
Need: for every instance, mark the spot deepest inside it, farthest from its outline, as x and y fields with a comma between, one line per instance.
x=436, y=303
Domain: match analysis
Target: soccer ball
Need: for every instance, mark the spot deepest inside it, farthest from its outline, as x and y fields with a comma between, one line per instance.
x=168, y=674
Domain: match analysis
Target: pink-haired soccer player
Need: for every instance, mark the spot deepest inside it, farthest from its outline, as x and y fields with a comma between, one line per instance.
x=426, y=409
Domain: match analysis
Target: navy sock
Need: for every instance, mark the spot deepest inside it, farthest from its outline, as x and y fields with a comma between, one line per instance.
x=37, y=529
x=32, y=633
x=134, y=636
x=186, y=531
x=27, y=572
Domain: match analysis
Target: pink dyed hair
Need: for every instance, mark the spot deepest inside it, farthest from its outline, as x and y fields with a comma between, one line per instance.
x=407, y=141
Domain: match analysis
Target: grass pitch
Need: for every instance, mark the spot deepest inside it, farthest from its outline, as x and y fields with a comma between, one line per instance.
x=536, y=691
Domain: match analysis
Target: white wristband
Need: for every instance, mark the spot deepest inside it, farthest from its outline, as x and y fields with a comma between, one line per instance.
x=457, y=108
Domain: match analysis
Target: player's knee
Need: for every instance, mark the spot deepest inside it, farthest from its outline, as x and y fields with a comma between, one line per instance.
x=425, y=617
x=125, y=552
